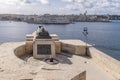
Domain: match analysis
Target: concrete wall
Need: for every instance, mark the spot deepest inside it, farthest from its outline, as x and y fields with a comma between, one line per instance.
x=108, y=63
x=81, y=76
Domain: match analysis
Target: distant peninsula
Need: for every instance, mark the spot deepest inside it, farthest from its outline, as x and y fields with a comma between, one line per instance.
x=58, y=19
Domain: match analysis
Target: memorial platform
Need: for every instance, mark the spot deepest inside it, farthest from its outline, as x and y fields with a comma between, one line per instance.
x=70, y=66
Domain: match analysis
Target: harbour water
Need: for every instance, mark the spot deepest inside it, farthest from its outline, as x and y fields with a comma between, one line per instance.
x=105, y=36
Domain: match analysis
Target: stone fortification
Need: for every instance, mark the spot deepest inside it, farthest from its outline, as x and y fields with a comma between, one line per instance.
x=109, y=64
x=78, y=47
x=70, y=46
x=15, y=66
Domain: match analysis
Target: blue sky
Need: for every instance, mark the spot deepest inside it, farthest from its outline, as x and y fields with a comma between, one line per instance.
x=59, y=6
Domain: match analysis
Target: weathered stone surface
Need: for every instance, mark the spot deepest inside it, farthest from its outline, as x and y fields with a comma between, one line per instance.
x=81, y=76
x=29, y=37
x=54, y=37
x=108, y=63
x=43, y=42
x=19, y=51
x=74, y=46
x=70, y=66
x=57, y=47
x=29, y=47
x=29, y=42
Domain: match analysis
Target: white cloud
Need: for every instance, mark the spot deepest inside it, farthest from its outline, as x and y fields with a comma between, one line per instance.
x=24, y=1
x=67, y=0
x=65, y=6
x=36, y=1
x=94, y=5
x=23, y=6
x=9, y=2
x=79, y=1
x=44, y=1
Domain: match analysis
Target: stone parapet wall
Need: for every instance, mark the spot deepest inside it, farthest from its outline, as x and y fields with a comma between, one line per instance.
x=62, y=45
x=57, y=46
x=108, y=63
x=74, y=46
x=71, y=46
x=29, y=43
x=29, y=47
x=81, y=76
x=20, y=50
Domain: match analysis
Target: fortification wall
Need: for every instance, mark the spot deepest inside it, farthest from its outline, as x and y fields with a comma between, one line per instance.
x=20, y=50
x=108, y=63
x=81, y=76
x=77, y=47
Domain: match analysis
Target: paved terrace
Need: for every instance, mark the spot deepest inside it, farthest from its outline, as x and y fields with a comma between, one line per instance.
x=28, y=68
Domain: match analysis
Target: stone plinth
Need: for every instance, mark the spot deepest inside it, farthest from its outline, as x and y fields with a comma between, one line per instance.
x=29, y=43
x=29, y=37
x=43, y=48
x=54, y=37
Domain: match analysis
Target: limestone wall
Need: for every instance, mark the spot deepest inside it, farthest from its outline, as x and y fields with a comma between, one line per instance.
x=108, y=63
x=29, y=47
x=57, y=47
x=29, y=43
x=81, y=76
x=74, y=46
x=19, y=51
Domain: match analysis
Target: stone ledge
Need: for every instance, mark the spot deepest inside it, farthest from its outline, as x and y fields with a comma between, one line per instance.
x=109, y=64
x=74, y=46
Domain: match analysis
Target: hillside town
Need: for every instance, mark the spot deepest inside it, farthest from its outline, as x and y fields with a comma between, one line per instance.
x=58, y=19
